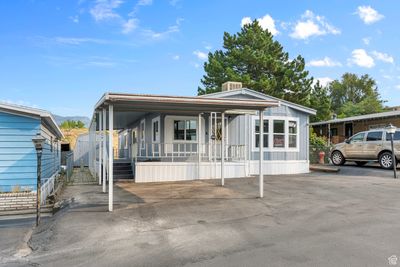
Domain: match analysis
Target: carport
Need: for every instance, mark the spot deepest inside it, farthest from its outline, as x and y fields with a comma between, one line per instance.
x=116, y=111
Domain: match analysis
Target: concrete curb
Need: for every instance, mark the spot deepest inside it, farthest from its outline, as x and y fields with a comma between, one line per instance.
x=23, y=248
x=324, y=168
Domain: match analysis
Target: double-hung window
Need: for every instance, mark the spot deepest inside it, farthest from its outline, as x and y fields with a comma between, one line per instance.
x=185, y=130
x=257, y=133
x=279, y=133
x=293, y=134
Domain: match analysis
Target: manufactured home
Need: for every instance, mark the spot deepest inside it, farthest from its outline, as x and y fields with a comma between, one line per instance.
x=18, y=161
x=234, y=133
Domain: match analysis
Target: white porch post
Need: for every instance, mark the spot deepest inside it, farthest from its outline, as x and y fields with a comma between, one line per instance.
x=104, y=139
x=110, y=157
x=100, y=144
x=199, y=146
x=222, y=148
x=261, y=147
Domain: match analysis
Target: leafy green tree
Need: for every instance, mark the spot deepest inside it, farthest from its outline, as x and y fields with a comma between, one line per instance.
x=321, y=101
x=254, y=58
x=354, y=95
x=71, y=124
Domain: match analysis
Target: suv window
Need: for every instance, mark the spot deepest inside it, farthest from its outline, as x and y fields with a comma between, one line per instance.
x=396, y=136
x=358, y=137
x=374, y=136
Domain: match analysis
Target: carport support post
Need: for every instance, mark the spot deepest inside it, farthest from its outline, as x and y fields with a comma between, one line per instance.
x=100, y=144
x=261, y=147
x=104, y=140
x=199, y=146
x=222, y=148
x=110, y=157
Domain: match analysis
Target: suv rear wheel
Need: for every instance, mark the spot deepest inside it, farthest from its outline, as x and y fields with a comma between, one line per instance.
x=337, y=158
x=386, y=160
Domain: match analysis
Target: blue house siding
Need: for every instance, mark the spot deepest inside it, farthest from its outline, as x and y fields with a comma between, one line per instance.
x=18, y=163
x=51, y=154
x=17, y=153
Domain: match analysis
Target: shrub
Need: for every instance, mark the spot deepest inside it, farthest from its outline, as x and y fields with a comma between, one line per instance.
x=318, y=144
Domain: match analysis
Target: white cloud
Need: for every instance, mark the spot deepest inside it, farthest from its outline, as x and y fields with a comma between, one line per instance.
x=145, y=2
x=245, y=21
x=312, y=25
x=174, y=2
x=366, y=40
x=200, y=55
x=325, y=62
x=360, y=58
x=383, y=57
x=266, y=22
x=75, y=19
x=368, y=14
x=104, y=9
x=324, y=81
x=165, y=34
x=78, y=40
x=398, y=87
x=176, y=57
x=129, y=25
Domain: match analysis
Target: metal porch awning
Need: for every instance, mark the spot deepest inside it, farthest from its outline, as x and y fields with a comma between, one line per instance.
x=118, y=110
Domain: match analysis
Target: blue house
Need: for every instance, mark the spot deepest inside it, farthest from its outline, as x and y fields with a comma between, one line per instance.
x=18, y=162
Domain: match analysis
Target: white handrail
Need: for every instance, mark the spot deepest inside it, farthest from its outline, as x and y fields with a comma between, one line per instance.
x=187, y=150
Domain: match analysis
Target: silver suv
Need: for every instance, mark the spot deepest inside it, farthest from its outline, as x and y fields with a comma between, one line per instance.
x=372, y=145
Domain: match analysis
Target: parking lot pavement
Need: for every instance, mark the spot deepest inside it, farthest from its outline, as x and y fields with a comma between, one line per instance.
x=316, y=219
x=369, y=170
x=12, y=232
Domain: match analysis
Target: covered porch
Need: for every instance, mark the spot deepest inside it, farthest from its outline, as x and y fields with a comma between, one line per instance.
x=187, y=138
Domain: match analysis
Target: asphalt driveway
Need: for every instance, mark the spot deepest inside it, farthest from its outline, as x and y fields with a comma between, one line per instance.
x=316, y=219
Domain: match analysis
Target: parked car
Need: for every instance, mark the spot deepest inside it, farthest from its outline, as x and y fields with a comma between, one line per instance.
x=372, y=145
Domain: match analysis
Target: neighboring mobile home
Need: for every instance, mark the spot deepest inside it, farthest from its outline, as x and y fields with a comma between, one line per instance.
x=18, y=162
x=339, y=129
x=167, y=138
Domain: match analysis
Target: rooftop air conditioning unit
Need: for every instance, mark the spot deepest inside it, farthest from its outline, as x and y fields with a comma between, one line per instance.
x=228, y=86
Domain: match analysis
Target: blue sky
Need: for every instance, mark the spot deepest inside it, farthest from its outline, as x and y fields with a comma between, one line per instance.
x=63, y=55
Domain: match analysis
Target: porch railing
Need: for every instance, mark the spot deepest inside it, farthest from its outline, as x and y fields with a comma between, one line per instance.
x=186, y=151
x=46, y=189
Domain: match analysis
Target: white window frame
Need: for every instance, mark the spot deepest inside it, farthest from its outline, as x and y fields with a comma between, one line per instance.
x=271, y=147
x=157, y=139
x=185, y=120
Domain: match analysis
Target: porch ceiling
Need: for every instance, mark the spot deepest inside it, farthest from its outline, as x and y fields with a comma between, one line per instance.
x=130, y=107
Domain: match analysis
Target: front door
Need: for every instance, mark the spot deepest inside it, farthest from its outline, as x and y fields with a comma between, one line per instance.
x=348, y=130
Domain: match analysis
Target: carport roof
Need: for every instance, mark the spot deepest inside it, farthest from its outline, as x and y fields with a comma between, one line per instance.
x=178, y=104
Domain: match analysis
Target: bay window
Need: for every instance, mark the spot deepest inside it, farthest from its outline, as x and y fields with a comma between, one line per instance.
x=280, y=133
x=292, y=134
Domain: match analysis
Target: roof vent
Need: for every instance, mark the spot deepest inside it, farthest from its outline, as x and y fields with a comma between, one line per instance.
x=228, y=86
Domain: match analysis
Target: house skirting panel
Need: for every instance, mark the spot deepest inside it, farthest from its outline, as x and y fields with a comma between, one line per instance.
x=276, y=167
x=186, y=171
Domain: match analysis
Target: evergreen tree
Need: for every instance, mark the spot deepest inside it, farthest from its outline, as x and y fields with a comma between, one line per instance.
x=254, y=58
